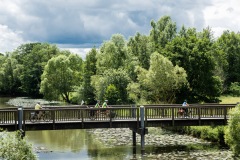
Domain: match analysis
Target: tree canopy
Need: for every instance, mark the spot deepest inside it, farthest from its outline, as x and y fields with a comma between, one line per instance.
x=161, y=82
x=60, y=76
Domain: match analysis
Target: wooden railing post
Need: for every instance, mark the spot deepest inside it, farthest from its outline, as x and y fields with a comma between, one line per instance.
x=225, y=115
x=133, y=111
x=53, y=116
x=138, y=118
x=82, y=117
x=110, y=116
x=146, y=113
x=199, y=116
x=16, y=119
x=172, y=116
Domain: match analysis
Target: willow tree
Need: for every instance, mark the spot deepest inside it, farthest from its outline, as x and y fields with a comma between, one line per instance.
x=60, y=77
x=160, y=82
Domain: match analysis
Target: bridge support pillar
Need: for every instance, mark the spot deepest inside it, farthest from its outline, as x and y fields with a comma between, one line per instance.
x=20, y=120
x=134, y=138
x=134, y=151
x=142, y=129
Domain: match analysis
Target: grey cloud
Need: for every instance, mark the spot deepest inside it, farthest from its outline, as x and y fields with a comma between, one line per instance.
x=92, y=21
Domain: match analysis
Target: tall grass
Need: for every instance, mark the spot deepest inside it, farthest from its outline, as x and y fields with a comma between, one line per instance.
x=227, y=99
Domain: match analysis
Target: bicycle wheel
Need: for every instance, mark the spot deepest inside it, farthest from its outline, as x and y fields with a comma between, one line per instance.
x=46, y=117
x=33, y=117
x=92, y=114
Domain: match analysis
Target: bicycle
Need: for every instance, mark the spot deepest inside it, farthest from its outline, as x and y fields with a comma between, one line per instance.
x=44, y=116
x=93, y=114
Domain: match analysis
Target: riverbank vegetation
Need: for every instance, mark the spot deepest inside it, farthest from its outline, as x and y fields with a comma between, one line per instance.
x=167, y=65
x=232, y=136
x=13, y=147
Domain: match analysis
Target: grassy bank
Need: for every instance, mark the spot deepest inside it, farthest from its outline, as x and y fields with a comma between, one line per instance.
x=229, y=99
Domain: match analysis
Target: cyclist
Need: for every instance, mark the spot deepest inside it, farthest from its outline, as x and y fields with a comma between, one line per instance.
x=38, y=107
x=97, y=105
x=105, y=105
x=185, y=109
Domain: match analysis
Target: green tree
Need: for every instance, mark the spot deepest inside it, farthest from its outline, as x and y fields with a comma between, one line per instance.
x=13, y=147
x=112, y=95
x=112, y=54
x=162, y=32
x=87, y=90
x=118, y=78
x=229, y=45
x=161, y=82
x=235, y=89
x=232, y=136
x=9, y=76
x=140, y=47
x=61, y=76
x=194, y=52
x=33, y=57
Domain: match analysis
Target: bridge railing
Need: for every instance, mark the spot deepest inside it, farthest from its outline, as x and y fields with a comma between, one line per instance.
x=8, y=116
x=195, y=111
x=85, y=114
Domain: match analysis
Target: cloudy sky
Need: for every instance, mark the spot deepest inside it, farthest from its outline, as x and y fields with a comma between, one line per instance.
x=81, y=24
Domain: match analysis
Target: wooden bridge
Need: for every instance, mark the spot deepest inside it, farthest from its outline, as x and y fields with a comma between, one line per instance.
x=137, y=118
x=80, y=117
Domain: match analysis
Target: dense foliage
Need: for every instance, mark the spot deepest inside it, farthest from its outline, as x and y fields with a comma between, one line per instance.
x=232, y=136
x=13, y=147
x=60, y=76
x=166, y=66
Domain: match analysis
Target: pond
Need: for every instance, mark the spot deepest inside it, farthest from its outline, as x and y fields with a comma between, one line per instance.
x=109, y=144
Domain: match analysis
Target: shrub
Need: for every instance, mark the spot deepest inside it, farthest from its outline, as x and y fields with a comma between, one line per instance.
x=235, y=89
x=232, y=136
x=13, y=147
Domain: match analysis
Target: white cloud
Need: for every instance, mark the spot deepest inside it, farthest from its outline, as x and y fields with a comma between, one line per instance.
x=80, y=51
x=223, y=15
x=9, y=39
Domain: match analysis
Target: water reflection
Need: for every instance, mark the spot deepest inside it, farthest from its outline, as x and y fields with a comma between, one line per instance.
x=75, y=143
x=80, y=144
x=58, y=140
